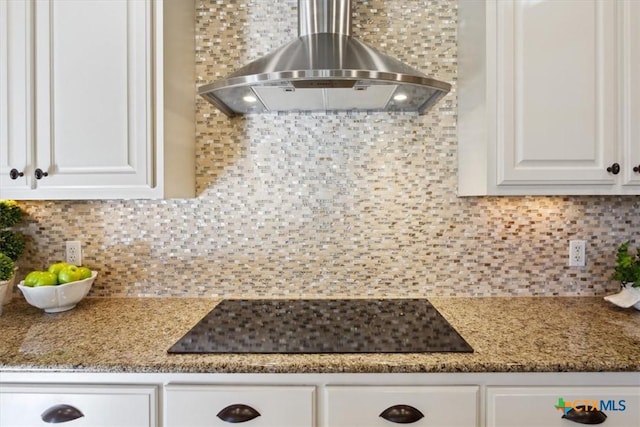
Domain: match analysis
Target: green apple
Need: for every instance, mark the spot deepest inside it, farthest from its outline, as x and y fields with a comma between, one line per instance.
x=70, y=273
x=85, y=272
x=32, y=278
x=56, y=267
x=46, y=279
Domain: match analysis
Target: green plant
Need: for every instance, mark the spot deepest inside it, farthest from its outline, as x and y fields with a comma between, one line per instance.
x=10, y=213
x=6, y=267
x=627, y=268
x=11, y=242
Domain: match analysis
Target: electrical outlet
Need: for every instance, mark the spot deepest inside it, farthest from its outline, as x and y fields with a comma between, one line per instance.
x=74, y=252
x=577, y=253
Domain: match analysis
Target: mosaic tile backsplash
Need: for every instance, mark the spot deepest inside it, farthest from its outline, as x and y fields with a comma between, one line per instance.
x=333, y=205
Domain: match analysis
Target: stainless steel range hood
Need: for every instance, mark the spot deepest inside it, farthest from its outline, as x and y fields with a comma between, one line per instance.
x=324, y=69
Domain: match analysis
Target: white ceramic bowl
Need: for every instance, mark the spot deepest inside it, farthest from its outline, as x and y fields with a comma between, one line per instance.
x=54, y=299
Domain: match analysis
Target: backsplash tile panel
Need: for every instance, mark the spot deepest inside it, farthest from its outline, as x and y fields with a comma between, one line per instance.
x=333, y=205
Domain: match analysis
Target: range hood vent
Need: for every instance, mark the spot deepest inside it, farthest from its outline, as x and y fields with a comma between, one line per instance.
x=324, y=69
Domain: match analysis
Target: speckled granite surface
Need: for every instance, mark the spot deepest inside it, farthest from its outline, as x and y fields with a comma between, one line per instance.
x=519, y=334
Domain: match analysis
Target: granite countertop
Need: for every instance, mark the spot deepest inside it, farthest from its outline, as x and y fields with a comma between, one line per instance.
x=519, y=334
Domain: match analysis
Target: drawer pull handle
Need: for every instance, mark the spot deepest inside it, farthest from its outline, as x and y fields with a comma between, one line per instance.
x=61, y=414
x=580, y=415
x=238, y=413
x=402, y=414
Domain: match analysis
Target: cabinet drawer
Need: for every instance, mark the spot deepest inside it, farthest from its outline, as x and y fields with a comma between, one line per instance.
x=538, y=406
x=117, y=406
x=278, y=406
x=354, y=406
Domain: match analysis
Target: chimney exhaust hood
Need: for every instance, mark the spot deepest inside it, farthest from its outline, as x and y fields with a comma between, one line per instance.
x=324, y=69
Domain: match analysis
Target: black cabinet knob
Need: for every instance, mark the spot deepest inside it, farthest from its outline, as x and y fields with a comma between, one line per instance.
x=636, y=169
x=15, y=173
x=402, y=414
x=39, y=173
x=614, y=169
x=61, y=414
x=238, y=413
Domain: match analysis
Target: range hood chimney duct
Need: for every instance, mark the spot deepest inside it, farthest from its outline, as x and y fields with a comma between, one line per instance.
x=324, y=16
x=324, y=69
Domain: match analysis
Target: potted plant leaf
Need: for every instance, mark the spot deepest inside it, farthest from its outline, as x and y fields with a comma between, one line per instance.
x=627, y=272
x=11, y=242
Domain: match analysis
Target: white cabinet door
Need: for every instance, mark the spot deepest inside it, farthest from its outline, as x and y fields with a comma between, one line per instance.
x=203, y=405
x=545, y=406
x=83, y=104
x=15, y=93
x=539, y=100
x=103, y=405
x=355, y=406
x=556, y=92
x=629, y=12
x=93, y=84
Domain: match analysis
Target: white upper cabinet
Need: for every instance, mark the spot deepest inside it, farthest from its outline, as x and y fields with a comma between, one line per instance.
x=83, y=102
x=540, y=91
x=629, y=75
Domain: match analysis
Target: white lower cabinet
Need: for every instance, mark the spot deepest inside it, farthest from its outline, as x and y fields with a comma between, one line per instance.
x=455, y=406
x=253, y=406
x=546, y=406
x=319, y=399
x=78, y=405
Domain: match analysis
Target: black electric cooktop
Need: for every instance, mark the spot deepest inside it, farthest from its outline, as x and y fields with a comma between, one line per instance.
x=322, y=326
